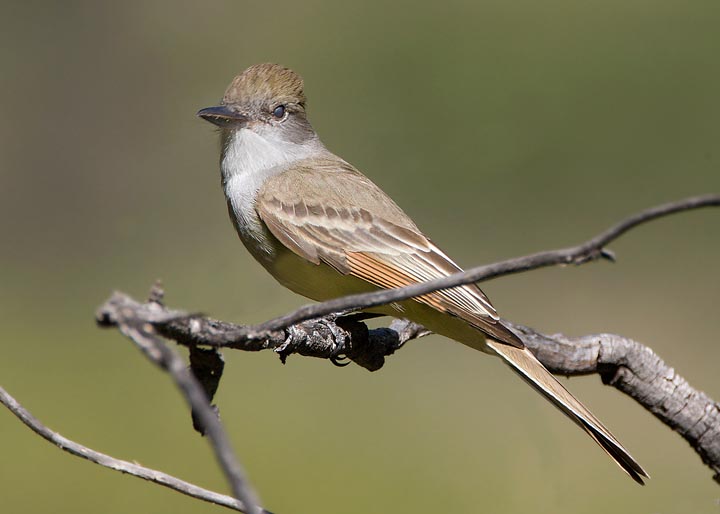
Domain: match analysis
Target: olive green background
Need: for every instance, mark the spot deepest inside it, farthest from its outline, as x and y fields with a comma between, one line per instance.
x=503, y=128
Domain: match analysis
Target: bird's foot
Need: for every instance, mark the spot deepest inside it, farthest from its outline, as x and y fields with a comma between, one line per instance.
x=338, y=356
x=288, y=346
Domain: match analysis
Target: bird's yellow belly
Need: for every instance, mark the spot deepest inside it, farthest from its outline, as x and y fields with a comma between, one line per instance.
x=320, y=282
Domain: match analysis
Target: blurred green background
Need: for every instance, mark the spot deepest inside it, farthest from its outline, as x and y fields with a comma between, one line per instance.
x=528, y=125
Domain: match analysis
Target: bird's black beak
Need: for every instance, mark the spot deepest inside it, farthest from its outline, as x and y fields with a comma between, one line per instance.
x=223, y=116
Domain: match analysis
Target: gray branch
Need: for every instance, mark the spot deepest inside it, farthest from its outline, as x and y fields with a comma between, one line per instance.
x=142, y=332
x=123, y=466
x=622, y=363
x=317, y=330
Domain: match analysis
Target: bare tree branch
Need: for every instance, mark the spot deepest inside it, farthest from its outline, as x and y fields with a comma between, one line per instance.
x=142, y=332
x=123, y=466
x=317, y=330
x=314, y=330
x=627, y=365
x=326, y=338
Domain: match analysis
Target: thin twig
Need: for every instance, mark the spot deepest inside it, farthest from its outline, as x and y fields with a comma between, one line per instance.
x=323, y=338
x=143, y=334
x=591, y=250
x=627, y=365
x=151, y=475
x=621, y=362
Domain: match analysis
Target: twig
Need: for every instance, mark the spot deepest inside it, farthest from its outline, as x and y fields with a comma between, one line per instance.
x=313, y=330
x=142, y=333
x=591, y=250
x=324, y=338
x=625, y=364
x=151, y=475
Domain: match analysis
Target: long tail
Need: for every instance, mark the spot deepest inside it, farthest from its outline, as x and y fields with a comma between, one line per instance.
x=522, y=361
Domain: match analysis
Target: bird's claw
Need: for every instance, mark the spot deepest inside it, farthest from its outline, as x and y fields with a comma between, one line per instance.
x=340, y=361
x=288, y=346
x=338, y=356
x=607, y=254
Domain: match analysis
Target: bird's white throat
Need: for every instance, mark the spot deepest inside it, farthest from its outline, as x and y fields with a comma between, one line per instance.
x=260, y=154
x=248, y=160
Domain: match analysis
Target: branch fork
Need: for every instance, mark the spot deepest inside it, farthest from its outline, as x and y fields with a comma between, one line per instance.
x=317, y=330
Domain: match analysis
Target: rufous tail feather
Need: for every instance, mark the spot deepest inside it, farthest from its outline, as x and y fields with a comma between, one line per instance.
x=522, y=361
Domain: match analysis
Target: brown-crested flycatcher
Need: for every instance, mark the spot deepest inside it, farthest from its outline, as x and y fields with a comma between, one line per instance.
x=324, y=230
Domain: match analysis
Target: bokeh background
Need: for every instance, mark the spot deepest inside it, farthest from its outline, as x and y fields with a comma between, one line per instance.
x=503, y=128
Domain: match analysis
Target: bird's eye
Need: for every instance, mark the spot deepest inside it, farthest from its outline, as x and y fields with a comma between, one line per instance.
x=279, y=111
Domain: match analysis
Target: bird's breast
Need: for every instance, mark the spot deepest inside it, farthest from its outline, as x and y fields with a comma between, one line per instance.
x=241, y=192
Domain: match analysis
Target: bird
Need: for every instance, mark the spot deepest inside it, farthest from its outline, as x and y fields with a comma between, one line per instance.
x=324, y=230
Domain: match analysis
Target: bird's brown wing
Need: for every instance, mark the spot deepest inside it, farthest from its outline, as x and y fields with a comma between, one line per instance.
x=330, y=213
x=327, y=212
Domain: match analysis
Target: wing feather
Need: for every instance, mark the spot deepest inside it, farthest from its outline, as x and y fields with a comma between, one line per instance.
x=347, y=222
